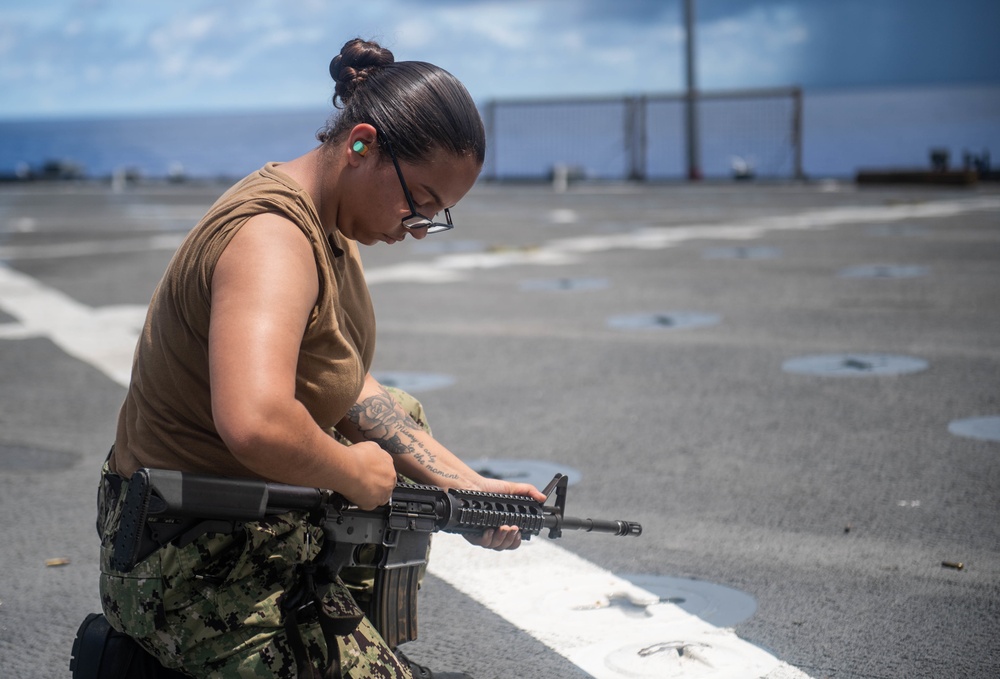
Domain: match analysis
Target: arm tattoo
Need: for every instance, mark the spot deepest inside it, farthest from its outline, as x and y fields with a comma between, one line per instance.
x=379, y=418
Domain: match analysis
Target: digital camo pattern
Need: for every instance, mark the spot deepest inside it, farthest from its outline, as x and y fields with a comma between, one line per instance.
x=212, y=608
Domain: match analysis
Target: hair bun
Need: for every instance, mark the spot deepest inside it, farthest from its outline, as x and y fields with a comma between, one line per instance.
x=357, y=60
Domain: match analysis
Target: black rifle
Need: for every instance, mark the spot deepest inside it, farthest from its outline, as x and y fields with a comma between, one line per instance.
x=162, y=506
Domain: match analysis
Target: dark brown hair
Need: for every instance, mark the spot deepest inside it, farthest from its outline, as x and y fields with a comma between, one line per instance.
x=419, y=107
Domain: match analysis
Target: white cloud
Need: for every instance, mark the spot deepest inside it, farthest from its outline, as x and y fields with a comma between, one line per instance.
x=8, y=40
x=93, y=74
x=287, y=36
x=183, y=32
x=498, y=26
x=74, y=27
x=415, y=33
x=761, y=46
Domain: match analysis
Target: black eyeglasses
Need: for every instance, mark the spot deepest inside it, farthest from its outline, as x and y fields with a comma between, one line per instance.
x=415, y=220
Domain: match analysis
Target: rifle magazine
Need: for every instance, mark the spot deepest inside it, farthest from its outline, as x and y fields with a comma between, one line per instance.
x=393, y=608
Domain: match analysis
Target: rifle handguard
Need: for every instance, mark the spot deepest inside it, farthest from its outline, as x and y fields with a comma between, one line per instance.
x=474, y=512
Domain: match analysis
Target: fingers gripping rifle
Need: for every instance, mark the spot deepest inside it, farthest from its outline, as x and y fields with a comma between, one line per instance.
x=164, y=506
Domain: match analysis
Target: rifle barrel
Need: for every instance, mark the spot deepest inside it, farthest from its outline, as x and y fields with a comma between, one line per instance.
x=613, y=526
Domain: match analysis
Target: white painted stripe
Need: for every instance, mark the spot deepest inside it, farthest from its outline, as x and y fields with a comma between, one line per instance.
x=565, y=601
x=84, y=248
x=603, y=624
x=453, y=267
x=104, y=338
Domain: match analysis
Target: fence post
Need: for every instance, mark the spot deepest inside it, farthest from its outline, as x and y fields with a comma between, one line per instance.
x=797, y=131
x=635, y=137
x=693, y=150
x=491, y=139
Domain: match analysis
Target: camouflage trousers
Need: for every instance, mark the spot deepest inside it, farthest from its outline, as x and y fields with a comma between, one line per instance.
x=213, y=607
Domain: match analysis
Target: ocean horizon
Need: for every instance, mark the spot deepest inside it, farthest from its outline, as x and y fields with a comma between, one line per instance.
x=843, y=131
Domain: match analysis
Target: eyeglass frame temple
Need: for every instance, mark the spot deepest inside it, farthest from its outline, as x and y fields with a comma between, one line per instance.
x=406, y=190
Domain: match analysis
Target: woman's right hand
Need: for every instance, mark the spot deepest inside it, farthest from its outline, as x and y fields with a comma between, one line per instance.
x=375, y=474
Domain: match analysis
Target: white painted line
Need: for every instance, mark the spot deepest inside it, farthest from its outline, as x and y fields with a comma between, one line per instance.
x=451, y=268
x=603, y=624
x=84, y=248
x=104, y=338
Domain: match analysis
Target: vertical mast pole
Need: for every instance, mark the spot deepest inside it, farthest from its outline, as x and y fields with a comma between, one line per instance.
x=691, y=101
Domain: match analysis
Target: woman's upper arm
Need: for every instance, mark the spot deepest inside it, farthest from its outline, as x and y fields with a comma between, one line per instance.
x=264, y=288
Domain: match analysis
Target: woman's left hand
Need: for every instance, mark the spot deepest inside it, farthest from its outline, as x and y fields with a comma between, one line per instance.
x=505, y=537
x=500, y=539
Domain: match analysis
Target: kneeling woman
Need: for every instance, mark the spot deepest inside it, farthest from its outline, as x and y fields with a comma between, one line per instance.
x=257, y=348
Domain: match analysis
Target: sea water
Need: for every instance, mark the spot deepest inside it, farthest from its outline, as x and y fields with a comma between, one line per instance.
x=843, y=131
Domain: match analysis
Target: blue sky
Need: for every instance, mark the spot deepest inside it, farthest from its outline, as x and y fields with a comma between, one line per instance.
x=84, y=57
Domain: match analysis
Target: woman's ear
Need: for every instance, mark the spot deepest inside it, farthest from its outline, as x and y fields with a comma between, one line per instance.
x=361, y=139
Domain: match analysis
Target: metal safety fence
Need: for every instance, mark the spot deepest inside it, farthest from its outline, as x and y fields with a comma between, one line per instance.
x=741, y=133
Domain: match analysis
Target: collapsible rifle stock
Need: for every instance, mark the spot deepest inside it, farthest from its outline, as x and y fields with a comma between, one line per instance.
x=162, y=506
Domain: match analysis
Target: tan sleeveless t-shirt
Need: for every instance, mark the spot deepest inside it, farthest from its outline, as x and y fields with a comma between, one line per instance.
x=166, y=419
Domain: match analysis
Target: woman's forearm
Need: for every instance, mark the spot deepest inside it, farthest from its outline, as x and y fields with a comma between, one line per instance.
x=417, y=455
